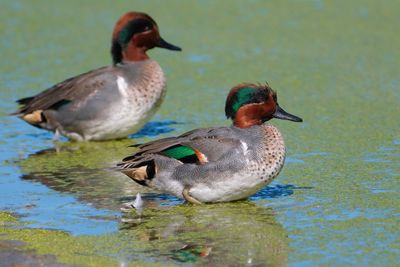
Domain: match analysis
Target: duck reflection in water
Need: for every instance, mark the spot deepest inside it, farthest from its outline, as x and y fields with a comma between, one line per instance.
x=215, y=235
x=237, y=233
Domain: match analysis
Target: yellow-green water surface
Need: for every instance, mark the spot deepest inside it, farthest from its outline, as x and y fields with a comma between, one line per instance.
x=336, y=64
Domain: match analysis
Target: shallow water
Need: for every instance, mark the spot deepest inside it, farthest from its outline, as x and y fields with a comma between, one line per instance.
x=336, y=202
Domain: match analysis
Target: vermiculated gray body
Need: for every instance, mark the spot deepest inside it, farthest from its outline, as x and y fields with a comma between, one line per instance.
x=107, y=103
x=239, y=163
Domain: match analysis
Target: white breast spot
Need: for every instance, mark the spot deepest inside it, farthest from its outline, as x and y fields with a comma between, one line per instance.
x=122, y=86
x=244, y=147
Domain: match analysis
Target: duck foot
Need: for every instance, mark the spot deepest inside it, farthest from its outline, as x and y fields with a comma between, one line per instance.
x=189, y=198
x=134, y=205
x=56, y=136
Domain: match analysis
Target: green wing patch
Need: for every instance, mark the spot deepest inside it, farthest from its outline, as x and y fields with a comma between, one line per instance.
x=179, y=152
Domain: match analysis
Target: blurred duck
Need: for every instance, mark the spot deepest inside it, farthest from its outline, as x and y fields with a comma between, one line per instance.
x=110, y=102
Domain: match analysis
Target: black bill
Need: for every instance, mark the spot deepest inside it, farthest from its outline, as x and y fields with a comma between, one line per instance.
x=283, y=115
x=164, y=44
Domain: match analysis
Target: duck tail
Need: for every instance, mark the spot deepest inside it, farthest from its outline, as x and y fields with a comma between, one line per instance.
x=141, y=170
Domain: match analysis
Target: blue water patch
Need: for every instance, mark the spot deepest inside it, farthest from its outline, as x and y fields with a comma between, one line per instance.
x=383, y=156
x=296, y=158
x=318, y=4
x=36, y=204
x=162, y=198
x=41, y=207
x=199, y=58
x=155, y=128
x=376, y=160
x=276, y=191
x=363, y=12
x=293, y=160
x=383, y=185
x=349, y=214
x=312, y=154
x=387, y=148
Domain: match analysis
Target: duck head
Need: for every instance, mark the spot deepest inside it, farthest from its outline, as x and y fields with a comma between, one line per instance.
x=251, y=104
x=134, y=34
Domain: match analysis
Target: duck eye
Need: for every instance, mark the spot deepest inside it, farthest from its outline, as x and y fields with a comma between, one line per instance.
x=147, y=28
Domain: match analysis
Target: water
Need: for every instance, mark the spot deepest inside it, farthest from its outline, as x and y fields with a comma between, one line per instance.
x=335, y=64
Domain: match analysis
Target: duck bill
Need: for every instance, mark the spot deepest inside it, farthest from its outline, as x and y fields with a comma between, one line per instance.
x=164, y=44
x=283, y=115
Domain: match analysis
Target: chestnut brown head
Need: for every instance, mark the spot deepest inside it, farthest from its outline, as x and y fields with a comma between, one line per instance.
x=252, y=104
x=134, y=34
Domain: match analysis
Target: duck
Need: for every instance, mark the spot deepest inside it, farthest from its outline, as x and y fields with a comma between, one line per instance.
x=110, y=102
x=217, y=164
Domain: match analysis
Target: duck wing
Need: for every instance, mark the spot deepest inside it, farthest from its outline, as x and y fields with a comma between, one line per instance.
x=65, y=92
x=197, y=146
